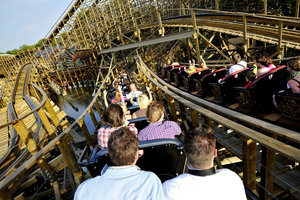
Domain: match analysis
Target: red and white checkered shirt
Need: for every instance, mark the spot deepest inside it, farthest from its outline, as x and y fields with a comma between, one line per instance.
x=104, y=134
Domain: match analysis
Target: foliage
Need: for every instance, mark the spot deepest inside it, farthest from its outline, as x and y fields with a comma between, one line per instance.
x=26, y=47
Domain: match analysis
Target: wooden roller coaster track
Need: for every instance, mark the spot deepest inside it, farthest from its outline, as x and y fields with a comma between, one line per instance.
x=120, y=32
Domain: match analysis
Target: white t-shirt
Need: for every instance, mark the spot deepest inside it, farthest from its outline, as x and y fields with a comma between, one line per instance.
x=240, y=65
x=136, y=94
x=224, y=184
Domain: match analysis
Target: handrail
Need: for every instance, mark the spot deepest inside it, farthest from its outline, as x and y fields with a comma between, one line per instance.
x=273, y=144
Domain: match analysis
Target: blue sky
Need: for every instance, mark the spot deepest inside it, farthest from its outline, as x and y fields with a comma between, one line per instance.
x=27, y=21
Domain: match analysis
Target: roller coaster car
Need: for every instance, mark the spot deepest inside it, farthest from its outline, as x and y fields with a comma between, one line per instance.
x=164, y=157
x=202, y=84
x=223, y=90
x=128, y=103
x=190, y=80
x=165, y=69
x=140, y=122
x=178, y=77
x=174, y=72
x=133, y=109
x=258, y=96
x=289, y=104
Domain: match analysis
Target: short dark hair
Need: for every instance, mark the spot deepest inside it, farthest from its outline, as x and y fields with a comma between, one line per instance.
x=113, y=115
x=122, y=147
x=199, y=145
x=294, y=64
x=154, y=111
x=236, y=57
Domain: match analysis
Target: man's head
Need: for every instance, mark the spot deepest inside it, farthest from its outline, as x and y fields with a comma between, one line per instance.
x=236, y=57
x=294, y=64
x=155, y=112
x=113, y=115
x=200, y=147
x=132, y=87
x=123, y=147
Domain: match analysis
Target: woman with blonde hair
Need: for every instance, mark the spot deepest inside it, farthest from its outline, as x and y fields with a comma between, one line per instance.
x=143, y=102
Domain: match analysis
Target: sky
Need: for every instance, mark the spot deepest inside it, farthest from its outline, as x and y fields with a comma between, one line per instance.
x=27, y=21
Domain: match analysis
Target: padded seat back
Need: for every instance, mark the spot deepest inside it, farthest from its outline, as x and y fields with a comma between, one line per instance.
x=224, y=89
x=133, y=109
x=289, y=104
x=174, y=71
x=263, y=88
x=165, y=69
x=140, y=122
x=178, y=77
x=189, y=80
x=163, y=157
x=202, y=85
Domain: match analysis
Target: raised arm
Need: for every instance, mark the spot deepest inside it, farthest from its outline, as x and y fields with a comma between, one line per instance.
x=105, y=99
x=294, y=86
x=203, y=61
x=149, y=92
x=120, y=90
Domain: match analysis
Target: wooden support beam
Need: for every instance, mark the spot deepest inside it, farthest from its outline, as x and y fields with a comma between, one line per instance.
x=217, y=6
x=86, y=133
x=56, y=190
x=91, y=112
x=265, y=7
x=195, y=117
x=267, y=171
x=161, y=30
x=158, y=92
x=98, y=107
x=279, y=47
x=32, y=147
x=297, y=8
x=51, y=112
x=212, y=45
x=171, y=103
x=49, y=128
x=196, y=36
x=249, y=163
x=5, y=194
x=245, y=40
x=206, y=47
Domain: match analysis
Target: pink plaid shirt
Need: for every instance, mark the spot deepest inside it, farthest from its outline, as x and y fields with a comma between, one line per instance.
x=104, y=133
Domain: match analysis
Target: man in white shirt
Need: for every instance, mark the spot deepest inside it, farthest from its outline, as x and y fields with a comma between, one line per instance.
x=202, y=180
x=238, y=63
x=124, y=180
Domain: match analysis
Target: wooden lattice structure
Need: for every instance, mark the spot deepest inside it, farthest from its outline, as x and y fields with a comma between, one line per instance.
x=109, y=35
